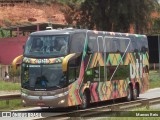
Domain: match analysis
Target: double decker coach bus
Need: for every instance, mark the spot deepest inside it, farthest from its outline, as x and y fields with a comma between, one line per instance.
x=75, y=67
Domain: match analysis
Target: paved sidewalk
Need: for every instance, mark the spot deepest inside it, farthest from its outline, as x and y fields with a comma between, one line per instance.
x=151, y=93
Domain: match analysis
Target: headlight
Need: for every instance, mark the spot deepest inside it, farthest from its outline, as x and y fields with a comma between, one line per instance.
x=62, y=94
x=23, y=94
x=62, y=101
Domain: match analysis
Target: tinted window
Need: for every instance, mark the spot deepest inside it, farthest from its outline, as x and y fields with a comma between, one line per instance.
x=36, y=77
x=124, y=42
x=46, y=46
x=144, y=46
x=108, y=42
x=115, y=45
x=92, y=43
x=77, y=42
x=134, y=44
x=100, y=43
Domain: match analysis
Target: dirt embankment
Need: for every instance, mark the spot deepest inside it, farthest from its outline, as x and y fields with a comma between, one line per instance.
x=31, y=13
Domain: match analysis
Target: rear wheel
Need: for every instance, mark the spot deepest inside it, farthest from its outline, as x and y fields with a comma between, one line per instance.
x=135, y=93
x=85, y=101
x=129, y=93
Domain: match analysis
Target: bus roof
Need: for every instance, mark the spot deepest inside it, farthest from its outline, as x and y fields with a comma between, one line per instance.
x=58, y=31
x=72, y=30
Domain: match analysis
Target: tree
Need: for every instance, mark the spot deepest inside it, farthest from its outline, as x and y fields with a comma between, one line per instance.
x=116, y=15
x=71, y=10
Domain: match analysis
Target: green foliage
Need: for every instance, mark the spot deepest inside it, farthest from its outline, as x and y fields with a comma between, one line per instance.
x=67, y=2
x=13, y=105
x=154, y=79
x=48, y=2
x=15, y=74
x=113, y=15
x=9, y=86
x=156, y=26
x=4, y=33
x=7, y=22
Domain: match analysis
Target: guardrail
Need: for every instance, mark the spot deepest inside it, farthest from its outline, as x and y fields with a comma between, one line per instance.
x=10, y=97
x=104, y=109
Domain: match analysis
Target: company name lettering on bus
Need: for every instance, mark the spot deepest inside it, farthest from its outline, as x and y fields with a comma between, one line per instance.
x=136, y=69
x=43, y=60
x=30, y=60
x=34, y=66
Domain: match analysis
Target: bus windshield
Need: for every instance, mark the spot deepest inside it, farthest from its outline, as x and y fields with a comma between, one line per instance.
x=42, y=77
x=46, y=46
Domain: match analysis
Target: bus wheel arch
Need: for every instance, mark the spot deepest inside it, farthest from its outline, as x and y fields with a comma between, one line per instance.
x=86, y=98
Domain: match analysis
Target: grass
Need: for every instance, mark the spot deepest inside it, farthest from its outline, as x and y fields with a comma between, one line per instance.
x=9, y=86
x=13, y=105
x=154, y=79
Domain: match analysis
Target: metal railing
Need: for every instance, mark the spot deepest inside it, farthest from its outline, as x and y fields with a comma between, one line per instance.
x=10, y=97
x=125, y=106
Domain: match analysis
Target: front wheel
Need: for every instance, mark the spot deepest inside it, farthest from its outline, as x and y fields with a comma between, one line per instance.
x=85, y=101
x=129, y=93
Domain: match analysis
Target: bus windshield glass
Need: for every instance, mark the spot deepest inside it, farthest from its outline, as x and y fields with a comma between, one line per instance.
x=42, y=77
x=46, y=46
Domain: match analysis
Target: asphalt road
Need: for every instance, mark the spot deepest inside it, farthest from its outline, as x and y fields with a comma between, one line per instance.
x=152, y=93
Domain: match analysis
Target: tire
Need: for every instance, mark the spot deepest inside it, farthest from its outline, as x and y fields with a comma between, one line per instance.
x=135, y=93
x=129, y=93
x=85, y=101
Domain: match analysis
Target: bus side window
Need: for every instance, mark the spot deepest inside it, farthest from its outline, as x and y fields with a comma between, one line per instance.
x=92, y=44
x=100, y=42
x=115, y=45
x=140, y=44
x=124, y=44
x=144, y=45
x=74, y=69
x=77, y=42
x=137, y=45
x=134, y=47
x=108, y=42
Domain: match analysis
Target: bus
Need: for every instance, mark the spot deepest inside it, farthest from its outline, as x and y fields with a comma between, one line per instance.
x=76, y=67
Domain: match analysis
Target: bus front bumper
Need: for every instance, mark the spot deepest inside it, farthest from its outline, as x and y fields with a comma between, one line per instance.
x=59, y=100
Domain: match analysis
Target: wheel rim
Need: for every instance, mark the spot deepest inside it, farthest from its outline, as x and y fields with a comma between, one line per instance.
x=84, y=101
x=129, y=94
x=135, y=94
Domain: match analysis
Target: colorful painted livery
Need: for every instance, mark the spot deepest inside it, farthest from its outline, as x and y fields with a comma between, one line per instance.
x=76, y=67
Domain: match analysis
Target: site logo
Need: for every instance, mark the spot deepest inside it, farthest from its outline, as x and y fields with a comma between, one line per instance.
x=20, y=114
